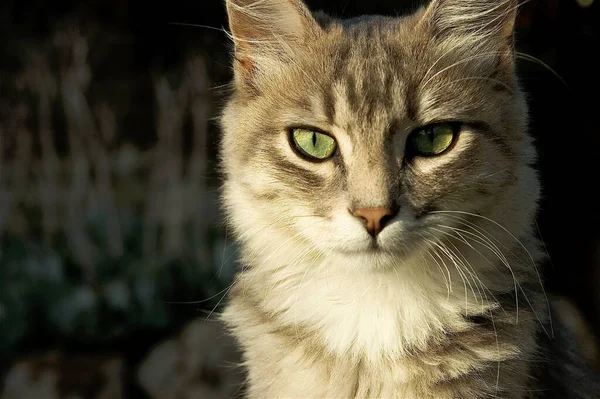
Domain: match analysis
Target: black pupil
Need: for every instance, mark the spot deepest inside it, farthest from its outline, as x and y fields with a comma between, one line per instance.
x=314, y=139
x=430, y=135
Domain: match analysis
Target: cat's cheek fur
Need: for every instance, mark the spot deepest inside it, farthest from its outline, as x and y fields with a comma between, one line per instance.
x=339, y=231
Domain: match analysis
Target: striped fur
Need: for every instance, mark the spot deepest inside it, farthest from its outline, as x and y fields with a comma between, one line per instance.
x=453, y=305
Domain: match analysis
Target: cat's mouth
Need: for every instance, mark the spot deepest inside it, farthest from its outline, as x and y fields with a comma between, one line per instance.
x=375, y=246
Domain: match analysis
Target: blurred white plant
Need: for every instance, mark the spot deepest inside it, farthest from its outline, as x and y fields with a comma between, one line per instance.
x=97, y=179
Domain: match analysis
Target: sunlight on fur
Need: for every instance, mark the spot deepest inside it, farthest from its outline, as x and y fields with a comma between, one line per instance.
x=381, y=271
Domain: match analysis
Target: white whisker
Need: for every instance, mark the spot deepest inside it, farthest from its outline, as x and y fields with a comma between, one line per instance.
x=504, y=229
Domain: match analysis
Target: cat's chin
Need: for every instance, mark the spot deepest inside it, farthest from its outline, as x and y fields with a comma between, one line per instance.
x=374, y=257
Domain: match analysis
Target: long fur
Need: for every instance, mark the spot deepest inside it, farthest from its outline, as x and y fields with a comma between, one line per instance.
x=453, y=306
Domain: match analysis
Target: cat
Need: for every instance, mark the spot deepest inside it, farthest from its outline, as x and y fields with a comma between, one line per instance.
x=379, y=177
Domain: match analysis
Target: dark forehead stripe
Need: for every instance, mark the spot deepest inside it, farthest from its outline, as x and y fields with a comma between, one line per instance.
x=352, y=92
x=411, y=99
x=328, y=104
x=339, y=56
x=302, y=102
x=368, y=68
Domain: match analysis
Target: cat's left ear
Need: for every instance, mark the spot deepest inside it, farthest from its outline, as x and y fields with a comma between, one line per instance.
x=478, y=25
x=266, y=32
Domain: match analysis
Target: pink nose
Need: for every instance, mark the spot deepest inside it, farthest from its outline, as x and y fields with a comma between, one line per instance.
x=375, y=218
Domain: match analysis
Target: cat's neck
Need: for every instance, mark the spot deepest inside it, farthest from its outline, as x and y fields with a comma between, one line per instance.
x=355, y=309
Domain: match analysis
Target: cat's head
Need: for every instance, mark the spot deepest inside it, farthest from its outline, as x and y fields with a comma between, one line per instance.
x=366, y=137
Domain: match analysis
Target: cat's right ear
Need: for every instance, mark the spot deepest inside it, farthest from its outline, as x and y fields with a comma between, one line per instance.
x=266, y=33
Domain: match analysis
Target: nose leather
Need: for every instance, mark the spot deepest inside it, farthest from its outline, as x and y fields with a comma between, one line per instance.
x=375, y=218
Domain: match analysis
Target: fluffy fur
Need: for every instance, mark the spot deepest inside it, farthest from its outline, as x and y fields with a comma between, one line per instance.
x=451, y=305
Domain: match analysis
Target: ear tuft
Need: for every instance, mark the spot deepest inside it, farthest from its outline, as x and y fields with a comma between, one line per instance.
x=267, y=30
x=483, y=23
x=475, y=33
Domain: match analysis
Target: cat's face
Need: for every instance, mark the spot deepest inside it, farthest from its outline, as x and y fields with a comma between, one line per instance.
x=368, y=137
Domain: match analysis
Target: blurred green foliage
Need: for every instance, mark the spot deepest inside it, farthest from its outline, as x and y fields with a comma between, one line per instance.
x=44, y=295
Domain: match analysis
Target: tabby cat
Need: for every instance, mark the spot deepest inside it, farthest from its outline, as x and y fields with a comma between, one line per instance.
x=378, y=175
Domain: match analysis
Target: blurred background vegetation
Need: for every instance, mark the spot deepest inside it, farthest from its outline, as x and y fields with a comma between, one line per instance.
x=111, y=243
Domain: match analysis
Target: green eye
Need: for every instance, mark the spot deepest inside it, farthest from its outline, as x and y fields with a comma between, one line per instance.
x=433, y=139
x=314, y=144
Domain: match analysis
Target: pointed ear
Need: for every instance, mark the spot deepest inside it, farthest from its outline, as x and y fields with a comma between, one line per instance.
x=267, y=31
x=478, y=24
x=478, y=32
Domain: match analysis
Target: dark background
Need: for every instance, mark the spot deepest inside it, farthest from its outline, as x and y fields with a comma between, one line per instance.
x=132, y=43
